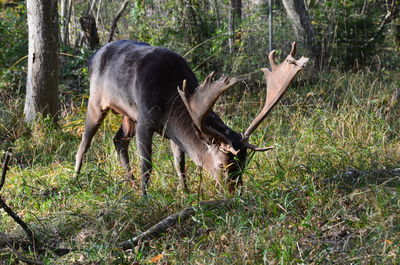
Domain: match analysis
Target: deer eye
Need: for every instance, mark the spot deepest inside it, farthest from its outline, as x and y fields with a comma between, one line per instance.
x=221, y=165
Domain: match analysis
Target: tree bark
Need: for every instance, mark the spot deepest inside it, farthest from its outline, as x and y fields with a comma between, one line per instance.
x=115, y=20
x=89, y=28
x=235, y=16
x=43, y=60
x=298, y=15
x=66, y=6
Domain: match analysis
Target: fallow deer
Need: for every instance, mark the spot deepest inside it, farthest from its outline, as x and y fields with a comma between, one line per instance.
x=155, y=91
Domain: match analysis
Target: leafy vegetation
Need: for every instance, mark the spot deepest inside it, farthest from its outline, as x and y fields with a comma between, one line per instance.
x=298, y=203
x=329, y=192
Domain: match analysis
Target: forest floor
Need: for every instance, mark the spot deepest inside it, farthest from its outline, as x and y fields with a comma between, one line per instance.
x=329, y=192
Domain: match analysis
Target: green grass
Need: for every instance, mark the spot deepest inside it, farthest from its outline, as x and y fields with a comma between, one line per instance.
x=297, y=205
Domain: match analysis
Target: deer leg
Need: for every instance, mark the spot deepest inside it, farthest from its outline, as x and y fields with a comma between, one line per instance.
x=144, y=137
x=94, y=117
x=179, y=163
x=121, y=141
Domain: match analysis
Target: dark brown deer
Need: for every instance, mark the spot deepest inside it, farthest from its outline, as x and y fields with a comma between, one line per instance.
x=155, y=91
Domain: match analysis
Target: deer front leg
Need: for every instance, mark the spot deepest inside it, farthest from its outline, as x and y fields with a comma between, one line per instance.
x=94, y=117
x=121, y=141
x=179, y=163
x=144, y=137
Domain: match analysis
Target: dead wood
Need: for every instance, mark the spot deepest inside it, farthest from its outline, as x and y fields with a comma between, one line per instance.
x=17, y=242
x=89, y=29
x=172, y=220
x=21, y=258
x=6, y=208
x=6, y=158
x=117, y=17
x=11, y=242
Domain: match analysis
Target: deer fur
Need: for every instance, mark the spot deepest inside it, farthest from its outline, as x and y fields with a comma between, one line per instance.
x=153, y=89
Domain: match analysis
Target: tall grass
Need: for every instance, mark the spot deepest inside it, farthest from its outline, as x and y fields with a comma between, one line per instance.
x=298, y=204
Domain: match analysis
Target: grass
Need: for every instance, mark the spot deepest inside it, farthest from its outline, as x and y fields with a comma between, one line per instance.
x=298, y=205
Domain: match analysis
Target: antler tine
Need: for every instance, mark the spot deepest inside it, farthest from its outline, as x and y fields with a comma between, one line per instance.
x=278, y=81
x=271, y=58
x=293, y=50
x=256, y=148
x=184, y=86
x=209, y=78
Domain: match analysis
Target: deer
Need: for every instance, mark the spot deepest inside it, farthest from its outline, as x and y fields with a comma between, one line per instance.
x=155, y=91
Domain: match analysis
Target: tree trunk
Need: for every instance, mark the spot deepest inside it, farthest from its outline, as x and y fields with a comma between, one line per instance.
x=43, y=59
x=89, y=28
x=235, y=16
x=217, y=14
x=298, y=14
x=115, y=20
x=66, y=6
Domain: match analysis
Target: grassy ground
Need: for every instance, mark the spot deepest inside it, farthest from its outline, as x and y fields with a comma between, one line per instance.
x=323, y=195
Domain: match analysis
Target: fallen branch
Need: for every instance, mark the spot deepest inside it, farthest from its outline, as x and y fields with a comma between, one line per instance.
x=172, y=220
x=117, y=17
x=6, y=208
x=21, y=258
x=12, y=242
x=17, y=242
x=6, y=158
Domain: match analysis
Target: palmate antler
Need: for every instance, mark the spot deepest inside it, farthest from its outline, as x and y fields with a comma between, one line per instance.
x=278, y=80
x=201, y=102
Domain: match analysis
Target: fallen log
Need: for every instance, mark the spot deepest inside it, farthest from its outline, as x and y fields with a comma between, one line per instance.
x=172, y=220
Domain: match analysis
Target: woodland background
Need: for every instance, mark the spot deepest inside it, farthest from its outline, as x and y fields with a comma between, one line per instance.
x=327, y=193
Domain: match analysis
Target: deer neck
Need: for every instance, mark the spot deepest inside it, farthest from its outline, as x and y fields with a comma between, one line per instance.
x=179, y=128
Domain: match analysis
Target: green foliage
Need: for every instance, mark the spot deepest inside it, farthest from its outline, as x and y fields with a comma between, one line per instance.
x=74, y=73
x=345, y=29
x=299, y=204
x=13, y=46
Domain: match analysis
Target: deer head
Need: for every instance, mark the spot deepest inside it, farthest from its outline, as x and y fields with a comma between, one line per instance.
x=227, y=151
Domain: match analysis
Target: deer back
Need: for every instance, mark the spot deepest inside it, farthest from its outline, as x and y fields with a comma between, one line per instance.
x=138, y=80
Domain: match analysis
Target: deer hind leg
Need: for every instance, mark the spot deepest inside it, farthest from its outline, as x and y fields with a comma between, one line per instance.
x=144, y=137
x=94, y=117
x=179, y=163
x=121, y=141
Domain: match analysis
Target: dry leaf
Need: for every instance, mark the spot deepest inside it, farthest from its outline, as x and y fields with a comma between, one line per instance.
x=157, y=258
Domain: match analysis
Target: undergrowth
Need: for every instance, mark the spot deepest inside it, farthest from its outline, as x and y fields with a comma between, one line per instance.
x=298, y=204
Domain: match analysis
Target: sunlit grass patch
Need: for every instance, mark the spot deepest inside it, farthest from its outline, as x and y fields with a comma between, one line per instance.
x=300, y=202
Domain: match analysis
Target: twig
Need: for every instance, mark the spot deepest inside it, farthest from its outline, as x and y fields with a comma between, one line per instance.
x=390, y=15
x=17, y=242
x=10, y=241
x=7, y=209
x=117, y=17
x=6, y=158
x=22, y=258
x=170, y=221
x=201, y=43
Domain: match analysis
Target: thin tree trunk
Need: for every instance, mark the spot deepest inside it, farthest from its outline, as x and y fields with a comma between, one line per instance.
x=117, y=17
x=43, y=59
x=235, y=16
x=217, y=14
x=298, y=15
x=89, y=29
x=66, y=6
